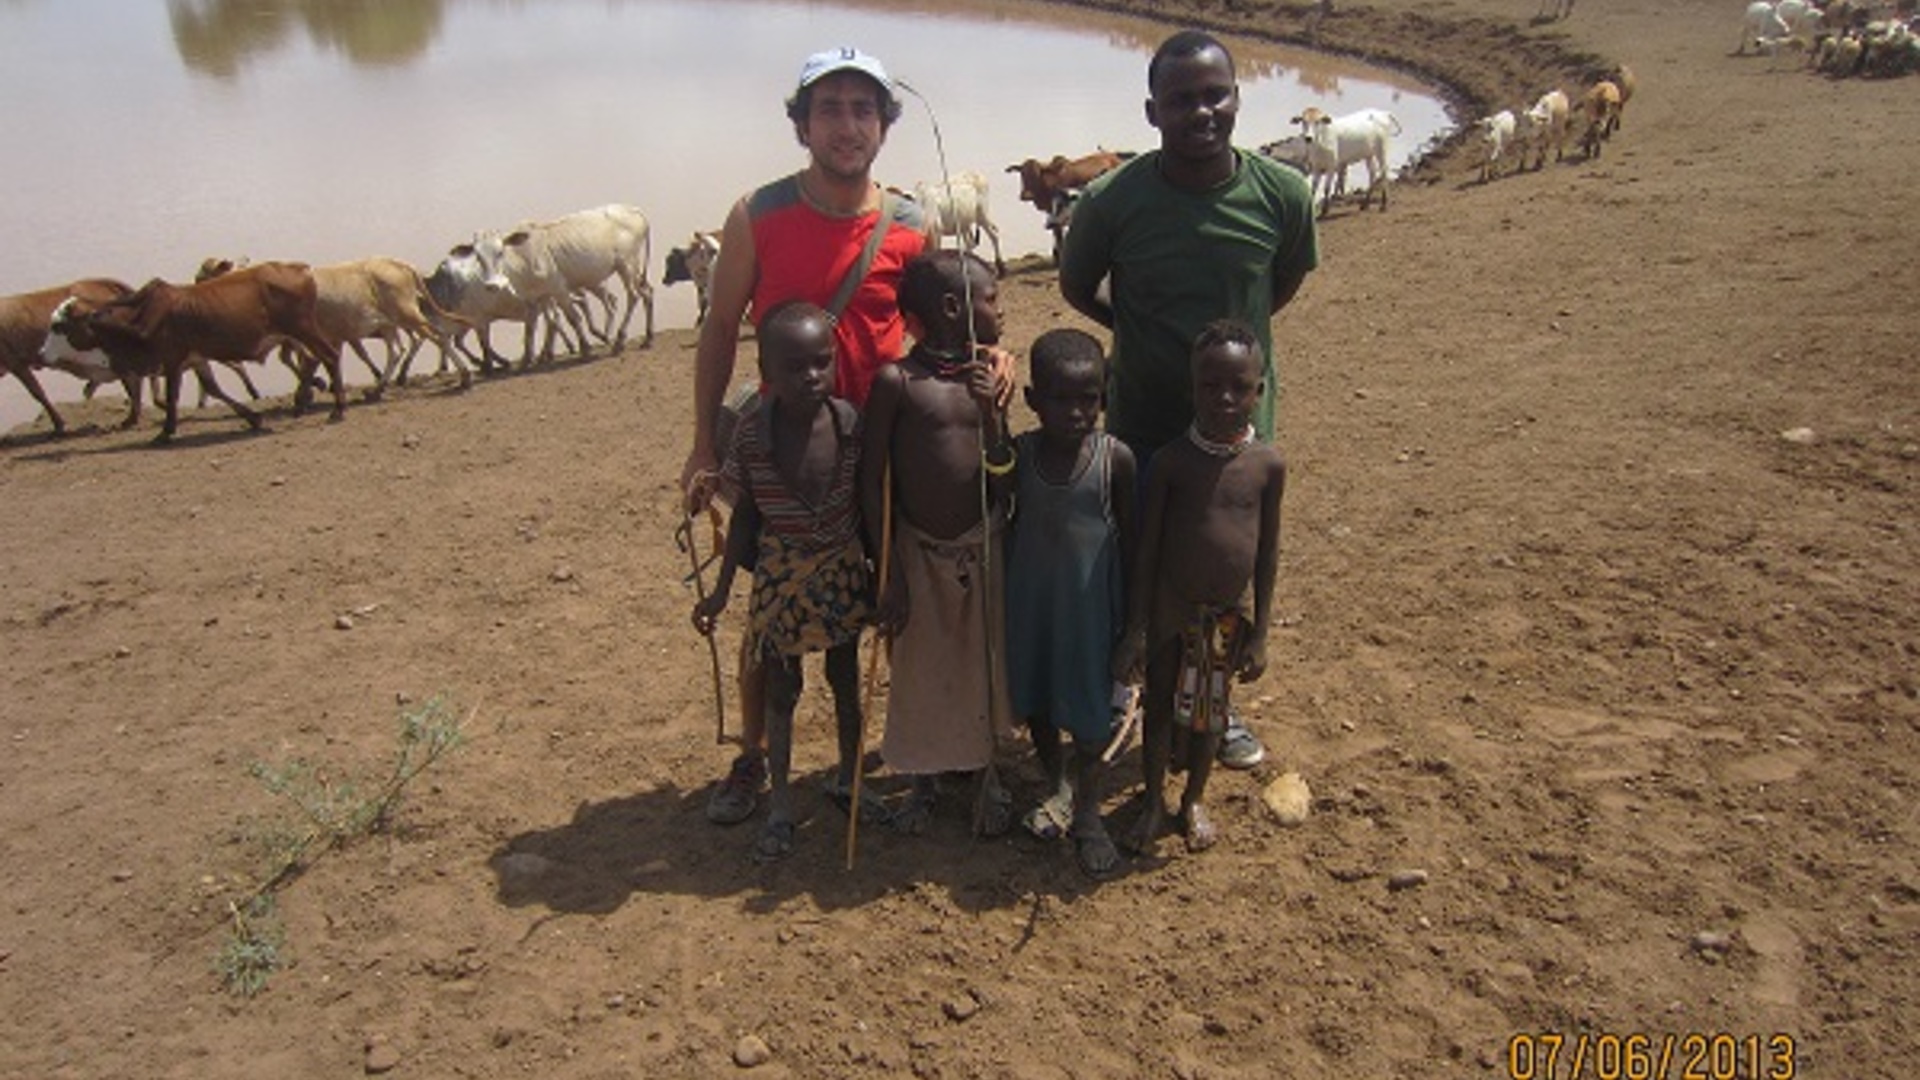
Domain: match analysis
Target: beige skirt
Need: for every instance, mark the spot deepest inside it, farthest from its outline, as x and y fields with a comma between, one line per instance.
x=947, y=663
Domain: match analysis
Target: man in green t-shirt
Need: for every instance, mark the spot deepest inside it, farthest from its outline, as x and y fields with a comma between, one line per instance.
x=1184, y=235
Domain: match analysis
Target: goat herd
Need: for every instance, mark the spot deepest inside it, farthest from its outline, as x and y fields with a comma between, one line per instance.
x=1840, y=39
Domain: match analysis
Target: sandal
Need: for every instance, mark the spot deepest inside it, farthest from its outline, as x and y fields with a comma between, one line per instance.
x=733, y=798
x=1199, y=829
x=1239, y=747
x=873, y=810
x=914, y=815
x=1052, y=817
x=1126, y=721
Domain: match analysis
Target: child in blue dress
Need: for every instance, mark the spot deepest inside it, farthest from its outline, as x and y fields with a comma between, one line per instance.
x=1066, y=560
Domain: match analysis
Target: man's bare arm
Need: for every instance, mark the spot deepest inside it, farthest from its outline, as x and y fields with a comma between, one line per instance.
x=1265, y=568
x=1284, y=287
x=1085, y=299
x=1129, y=659
x=1081, y=272
x=734, y=274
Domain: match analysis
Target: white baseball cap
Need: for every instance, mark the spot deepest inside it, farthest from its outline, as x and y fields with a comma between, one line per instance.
x=846, y=58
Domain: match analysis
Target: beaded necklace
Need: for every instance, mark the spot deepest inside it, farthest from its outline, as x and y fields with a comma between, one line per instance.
x=946, y=363
x=1230, y=448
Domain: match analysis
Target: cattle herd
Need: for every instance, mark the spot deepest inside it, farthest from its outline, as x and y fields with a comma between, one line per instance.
x=539, y=274
x=547, y=276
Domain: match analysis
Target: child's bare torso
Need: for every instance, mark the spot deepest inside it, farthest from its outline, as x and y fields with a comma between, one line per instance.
x=1210, y=527
x=936, y=452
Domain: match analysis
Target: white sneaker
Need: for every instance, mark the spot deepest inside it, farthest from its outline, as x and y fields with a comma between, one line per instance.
x=1239, y=749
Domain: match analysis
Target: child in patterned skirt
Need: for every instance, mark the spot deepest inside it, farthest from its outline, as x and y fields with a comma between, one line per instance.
x=1201, y=595
x=793, y=472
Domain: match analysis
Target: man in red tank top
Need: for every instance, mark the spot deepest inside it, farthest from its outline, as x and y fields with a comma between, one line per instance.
x=800, y=238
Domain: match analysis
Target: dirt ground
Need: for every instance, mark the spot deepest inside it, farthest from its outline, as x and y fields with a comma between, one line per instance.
x=1570, y=623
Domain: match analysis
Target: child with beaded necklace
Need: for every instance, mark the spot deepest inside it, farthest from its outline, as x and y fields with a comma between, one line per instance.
x=934, y=431
x=1210, y=535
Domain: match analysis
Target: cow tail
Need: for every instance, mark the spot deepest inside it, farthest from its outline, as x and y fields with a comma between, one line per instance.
x=426, y=295
x=432, y=306
x=646, y=252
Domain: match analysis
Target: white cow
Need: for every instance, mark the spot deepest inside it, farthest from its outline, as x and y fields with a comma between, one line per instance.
x=958, y=208
x=1497, y=134
x=1290, y=151
x=1334, y=143
x=544, y=263
x=1544, y=124
x=477, y=296
x=1761, y=23
x=694, y=263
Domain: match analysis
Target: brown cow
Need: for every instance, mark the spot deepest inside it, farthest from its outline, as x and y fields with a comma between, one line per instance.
x=23, y=331
x=163, y=329
x=1042, y=184
x=377, y=297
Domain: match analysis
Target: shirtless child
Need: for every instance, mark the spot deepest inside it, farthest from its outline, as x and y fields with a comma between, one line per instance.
x=925, y=422
x=1210, y=535
x=793, y=470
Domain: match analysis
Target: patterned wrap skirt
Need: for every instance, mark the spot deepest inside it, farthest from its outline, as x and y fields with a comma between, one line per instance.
x=807, y=601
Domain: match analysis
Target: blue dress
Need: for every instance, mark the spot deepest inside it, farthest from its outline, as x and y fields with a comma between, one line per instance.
x=1064, y=599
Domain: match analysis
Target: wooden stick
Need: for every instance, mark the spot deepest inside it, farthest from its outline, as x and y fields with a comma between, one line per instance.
x=684, y=537
x=873, y=665
x=988, y=586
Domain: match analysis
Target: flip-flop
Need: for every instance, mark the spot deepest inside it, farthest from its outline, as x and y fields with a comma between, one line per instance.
x=914, y=815
x=873, y=811
x=1199, y=829
x=1126, y=722
x=1052, y=817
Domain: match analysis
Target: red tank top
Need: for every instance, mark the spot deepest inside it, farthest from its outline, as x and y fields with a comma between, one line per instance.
x=804, y=254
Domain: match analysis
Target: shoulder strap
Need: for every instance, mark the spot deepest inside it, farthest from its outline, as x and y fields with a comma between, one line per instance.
x=858, y=271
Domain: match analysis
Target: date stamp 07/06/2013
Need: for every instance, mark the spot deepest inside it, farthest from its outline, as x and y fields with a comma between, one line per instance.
x=1685, y=1055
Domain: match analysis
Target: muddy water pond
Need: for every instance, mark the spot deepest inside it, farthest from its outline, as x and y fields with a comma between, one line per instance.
x=145, y=136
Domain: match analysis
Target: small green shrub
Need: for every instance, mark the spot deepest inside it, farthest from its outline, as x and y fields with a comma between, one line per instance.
x=330, y=808
x=251, y=952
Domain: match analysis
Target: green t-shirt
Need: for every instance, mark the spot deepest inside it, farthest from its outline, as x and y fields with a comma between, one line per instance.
x=1177, y=261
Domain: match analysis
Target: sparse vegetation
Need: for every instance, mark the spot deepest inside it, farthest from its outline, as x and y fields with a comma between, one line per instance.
x=251, y=952
x=330, y=809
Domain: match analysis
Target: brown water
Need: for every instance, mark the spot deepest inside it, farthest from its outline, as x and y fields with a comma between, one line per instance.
x=145, y=136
